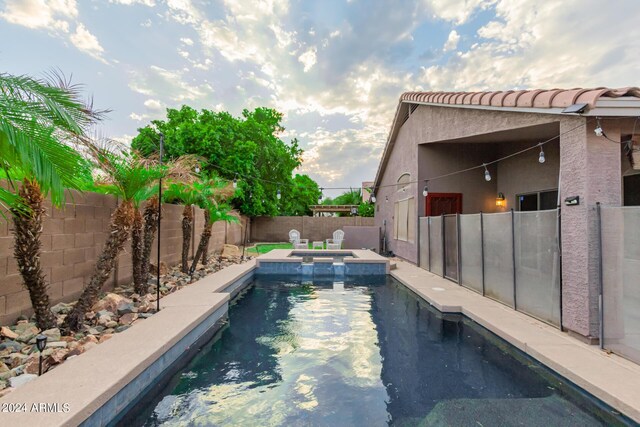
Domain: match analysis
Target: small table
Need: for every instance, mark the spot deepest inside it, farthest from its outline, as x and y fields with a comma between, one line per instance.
x=317, y=244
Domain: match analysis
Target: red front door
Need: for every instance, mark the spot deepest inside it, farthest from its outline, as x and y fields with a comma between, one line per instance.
x=443, y=204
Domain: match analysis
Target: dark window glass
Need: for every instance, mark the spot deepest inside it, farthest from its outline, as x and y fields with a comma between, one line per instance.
x=548, y=200
x=632, y=190
x=528, y=202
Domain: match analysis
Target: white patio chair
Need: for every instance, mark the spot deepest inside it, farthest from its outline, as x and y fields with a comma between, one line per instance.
x=336, y=242
x=296, y=241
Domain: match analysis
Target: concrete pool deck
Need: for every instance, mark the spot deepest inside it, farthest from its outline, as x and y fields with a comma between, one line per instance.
x=610, y=378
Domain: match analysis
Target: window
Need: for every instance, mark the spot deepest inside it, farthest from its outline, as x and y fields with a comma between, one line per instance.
x=403, y=182
x=537, y=201
x=404, y=227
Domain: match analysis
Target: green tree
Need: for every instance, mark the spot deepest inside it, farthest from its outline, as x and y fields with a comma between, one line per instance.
x=297, y=198
x=38, y=120
x=366, y=209
x=249, y=146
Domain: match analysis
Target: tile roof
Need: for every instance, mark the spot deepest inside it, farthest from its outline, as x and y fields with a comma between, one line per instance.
x=533, y=98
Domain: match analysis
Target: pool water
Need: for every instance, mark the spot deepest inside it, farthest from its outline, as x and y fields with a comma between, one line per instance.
x=364, y=352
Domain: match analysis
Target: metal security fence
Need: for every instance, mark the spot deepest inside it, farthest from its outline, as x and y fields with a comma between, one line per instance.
x=512, y=257
x=620, y=291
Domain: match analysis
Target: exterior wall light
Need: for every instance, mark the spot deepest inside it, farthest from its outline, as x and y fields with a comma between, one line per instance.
x=41, y=344
x=500, y=200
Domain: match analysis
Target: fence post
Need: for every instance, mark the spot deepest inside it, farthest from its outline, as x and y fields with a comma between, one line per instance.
x=560, y=261
x=429, y=240
x=418, y=239
x=513, y=257
x=601, y=284
x=459, y=250
x=444, y=258
x=482, y=249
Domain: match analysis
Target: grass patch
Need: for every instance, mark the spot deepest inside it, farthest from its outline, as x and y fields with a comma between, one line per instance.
x=263, y=248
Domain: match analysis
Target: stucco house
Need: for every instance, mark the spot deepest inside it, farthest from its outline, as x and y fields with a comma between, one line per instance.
x=567, y=148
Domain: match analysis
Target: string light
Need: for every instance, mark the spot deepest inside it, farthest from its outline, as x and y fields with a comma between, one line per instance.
x=425, y=191
x=598, y=130
x=487, y=175
x=386, y=199
x=541, y=158
x=483, y=165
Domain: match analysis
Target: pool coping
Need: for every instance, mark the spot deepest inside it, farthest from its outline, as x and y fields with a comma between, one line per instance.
x=97, y=384
x=361, y=257
x=609, y=377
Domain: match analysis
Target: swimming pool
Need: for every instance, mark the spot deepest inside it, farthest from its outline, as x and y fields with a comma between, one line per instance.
x=365, y=351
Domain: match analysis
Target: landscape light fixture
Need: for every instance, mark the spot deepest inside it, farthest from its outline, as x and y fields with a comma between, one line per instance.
x=598, y=130
x=500, y=200
x=278, y=194
x=41, y=344
x=425, y=191
x=487, y=175
x=541, y=158
x=354, y=210
x=197, y=168
x=235, y=181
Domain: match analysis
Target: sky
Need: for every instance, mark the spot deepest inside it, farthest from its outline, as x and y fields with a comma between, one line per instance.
x=334, y=68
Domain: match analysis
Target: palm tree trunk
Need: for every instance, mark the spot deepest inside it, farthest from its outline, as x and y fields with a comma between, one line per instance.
x=119, y=230
x=204, y=240
x=27, y=230
x=187, y=226
x=151, y=215
x=139, y=282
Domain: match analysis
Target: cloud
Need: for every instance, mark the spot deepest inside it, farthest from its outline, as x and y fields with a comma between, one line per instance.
x=53, y=15
x=308, y=58
x=149, y=3
x=153, y=104
x=87, y=43
x=187, y=41
x=456, y=11
x=452, y=41
x=173, y=85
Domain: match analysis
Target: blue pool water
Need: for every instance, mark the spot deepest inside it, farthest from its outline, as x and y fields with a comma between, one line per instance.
x=364, y=352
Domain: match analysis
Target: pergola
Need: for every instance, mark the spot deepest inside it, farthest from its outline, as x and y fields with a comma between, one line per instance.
x=320, y=209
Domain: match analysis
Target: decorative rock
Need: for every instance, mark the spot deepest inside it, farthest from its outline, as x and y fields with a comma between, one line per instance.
x=105, y=337
x=17, y=359
x=88, y=339
x=6, y=391
x=31, y=367
x=230, y=251
x=110, y=303
x=27, y=333
x=126, y=308
x=145, y=315
x=57, y=356
x=3, y=367
x=6, y=375
x=94, y=331
x=52, y=334
x=10, y=345
x=111, y=324
x=3, y=384
x=8, y=333
x=128, y=319
x=61, y=308
x=57, y=344
x=75, y=352
x=88, y=346
x=122, y=328
x=16, y=382
x=22, y=319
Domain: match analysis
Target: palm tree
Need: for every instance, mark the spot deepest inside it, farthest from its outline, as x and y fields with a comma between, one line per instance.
x=212, y=192
x=37, y=120
x=127, y=177
x=189, y=196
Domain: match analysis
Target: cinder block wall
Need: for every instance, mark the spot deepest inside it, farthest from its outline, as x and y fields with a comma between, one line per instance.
x=72, y=239
x=276, y=229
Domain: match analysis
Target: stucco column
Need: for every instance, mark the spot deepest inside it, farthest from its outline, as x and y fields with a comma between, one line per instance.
x=589, y=168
